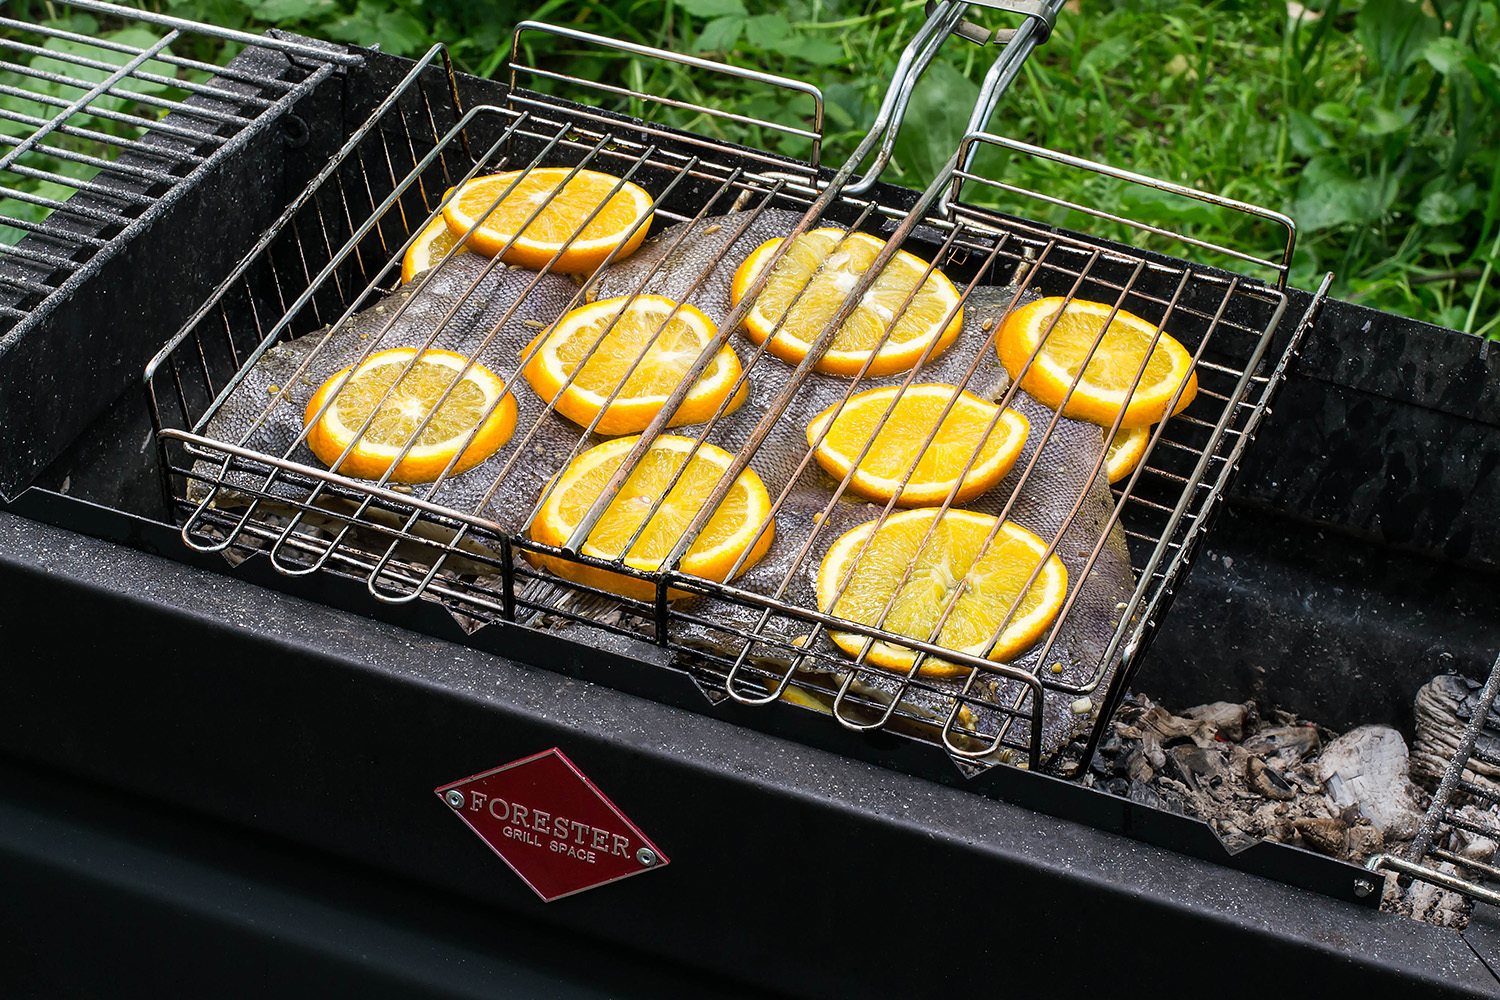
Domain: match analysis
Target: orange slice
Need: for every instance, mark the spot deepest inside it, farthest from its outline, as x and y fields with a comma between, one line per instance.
x=828, y=263
x=964, y=438
x=478, y=399
x=994, y=580
x=725, y=537
x=430, y=247
x=564, y=209
x=1103, y=380
x=1126, y=449
x=656, y=335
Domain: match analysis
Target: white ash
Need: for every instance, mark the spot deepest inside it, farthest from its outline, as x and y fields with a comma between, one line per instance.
x=1443, y=707
x=1367, y=768
x=1286, y=779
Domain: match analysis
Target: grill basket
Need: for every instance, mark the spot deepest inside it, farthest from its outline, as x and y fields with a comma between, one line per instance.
x=338, y=248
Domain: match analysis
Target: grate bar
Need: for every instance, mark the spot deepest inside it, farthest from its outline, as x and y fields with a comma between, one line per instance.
x=103, y=138
x=107, y=89
x=145, y=124
x=81, y=102
x=145, y=77
x=224, y=72
x=177, y=24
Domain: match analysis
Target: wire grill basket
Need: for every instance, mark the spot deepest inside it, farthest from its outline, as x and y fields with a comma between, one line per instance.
x=315, y=295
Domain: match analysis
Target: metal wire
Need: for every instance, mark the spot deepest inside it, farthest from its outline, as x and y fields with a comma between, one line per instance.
x=83, y=90
x=337, y=248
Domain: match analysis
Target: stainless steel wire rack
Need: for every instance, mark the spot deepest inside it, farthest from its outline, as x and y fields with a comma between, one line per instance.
x=321, y=291
x=105, y=129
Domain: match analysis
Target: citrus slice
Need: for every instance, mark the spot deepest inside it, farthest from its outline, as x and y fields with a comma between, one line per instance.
x=665, y=338
x=1126, y=449
x=430, y=247
x=828, y=264
x=899, y=438
x=952, y=555
x=725, y=537
x=1103, y=384
x=564, y=209
x=478, y=399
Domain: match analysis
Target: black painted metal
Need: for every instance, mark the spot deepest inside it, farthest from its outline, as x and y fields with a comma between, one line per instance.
x=84, y=343
x=1333, y=604
x=794, y=868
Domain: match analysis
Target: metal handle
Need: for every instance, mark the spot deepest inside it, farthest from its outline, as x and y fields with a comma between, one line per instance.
x=815, y=134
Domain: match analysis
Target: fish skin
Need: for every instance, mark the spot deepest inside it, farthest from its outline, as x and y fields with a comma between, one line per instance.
x=686, y=250
x=1062, y=473
x=541, y=299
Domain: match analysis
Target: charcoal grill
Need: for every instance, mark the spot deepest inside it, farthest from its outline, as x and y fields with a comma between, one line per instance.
x=405, y=133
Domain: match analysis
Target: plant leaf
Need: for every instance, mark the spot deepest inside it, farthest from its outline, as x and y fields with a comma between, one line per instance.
x=765, y=30
x=720, y=34
x=713, y=8
x=814, y=50
x=1446, y=54
x=1308, y=137
x=1439, y=208
x=1395, y=32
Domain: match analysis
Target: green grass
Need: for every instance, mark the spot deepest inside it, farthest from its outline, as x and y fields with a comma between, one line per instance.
x=1376, y=125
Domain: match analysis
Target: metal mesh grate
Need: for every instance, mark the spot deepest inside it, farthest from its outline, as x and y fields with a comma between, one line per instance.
x=758, y=639
x=96, y=128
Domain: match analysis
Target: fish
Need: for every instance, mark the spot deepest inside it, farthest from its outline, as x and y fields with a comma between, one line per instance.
x=459, y=305
x=696, y=261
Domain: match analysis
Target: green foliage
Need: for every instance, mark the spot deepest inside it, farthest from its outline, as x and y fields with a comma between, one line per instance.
x=1374, y=123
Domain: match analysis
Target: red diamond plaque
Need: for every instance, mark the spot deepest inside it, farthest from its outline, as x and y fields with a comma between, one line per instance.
x=551, y=825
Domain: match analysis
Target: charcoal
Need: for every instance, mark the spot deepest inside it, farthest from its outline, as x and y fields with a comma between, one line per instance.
x=1138, y=768
x=1292, y=744
x=1443, y=708
x=1118, y=786
x=1267, y=781
x=1323, y=834
x=1226, y=718
x=1143, y=794
x=1362, y=843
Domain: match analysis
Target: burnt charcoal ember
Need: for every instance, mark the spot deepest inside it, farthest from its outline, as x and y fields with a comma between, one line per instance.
x=1137, y=768
x=1324, y=834
x=1292, y=744
x=1226, y=718
x=1266, y=780
x=1367, y=767
x=1362, y=843
x=1471, y=843
x=1143, y=794
x=1443, y=708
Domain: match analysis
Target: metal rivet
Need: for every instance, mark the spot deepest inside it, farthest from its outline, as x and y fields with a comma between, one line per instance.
x=455, y=798
x=1363, y=887
x=646, y=856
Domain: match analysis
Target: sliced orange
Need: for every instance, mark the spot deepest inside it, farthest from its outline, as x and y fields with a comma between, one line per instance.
x=828, y=264
x=659, y=337
x=434, y=242
x=726, y=536
x=994, y=580
x=964, y=438
x=478, y=399
x=565, y=205
x=1103, y=380
x=1126, y=449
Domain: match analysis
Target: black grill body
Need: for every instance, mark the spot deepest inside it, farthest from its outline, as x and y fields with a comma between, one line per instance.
x=293, y=742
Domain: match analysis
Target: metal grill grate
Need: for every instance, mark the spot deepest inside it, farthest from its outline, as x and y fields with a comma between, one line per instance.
x=340, y=246
x=96, y=130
